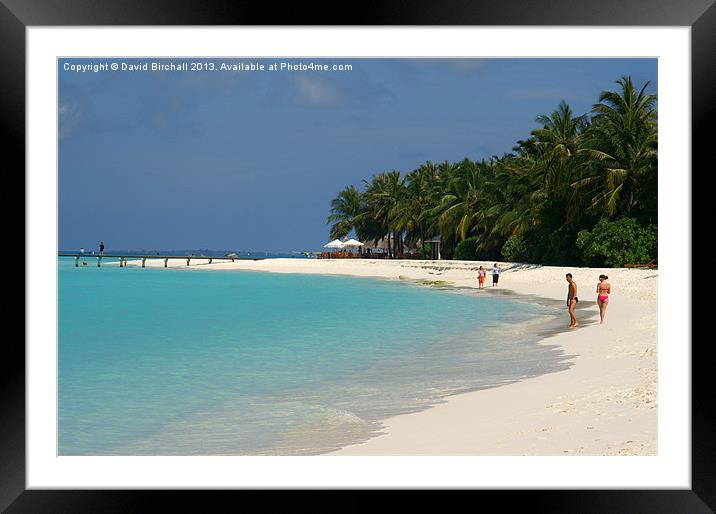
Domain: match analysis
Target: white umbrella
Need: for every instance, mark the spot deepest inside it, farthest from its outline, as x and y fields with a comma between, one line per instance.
x=336, y=243
x=352, y=243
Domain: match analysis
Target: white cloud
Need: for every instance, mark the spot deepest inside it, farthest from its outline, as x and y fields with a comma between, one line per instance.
x=314, y=91
x=68, y=117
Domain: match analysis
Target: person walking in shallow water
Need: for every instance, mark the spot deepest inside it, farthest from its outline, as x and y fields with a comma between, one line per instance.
x=604, y=289
x=572, y=300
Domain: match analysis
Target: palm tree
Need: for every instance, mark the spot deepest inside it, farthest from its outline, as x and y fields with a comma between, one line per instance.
x=560, y=140
x=567, y=174
x=518, y=194
x=384, y=195
x=416, y=203
x=560, y=147
x=348, y=211
x=461, y=203
x=623, y=141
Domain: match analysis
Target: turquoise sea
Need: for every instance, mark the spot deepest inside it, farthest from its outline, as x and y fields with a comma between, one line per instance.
x=196, y=362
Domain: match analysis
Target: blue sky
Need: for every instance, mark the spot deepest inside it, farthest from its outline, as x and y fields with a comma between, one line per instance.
x=250, y=160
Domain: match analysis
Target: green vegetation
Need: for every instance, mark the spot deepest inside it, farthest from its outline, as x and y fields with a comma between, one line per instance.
x=579, y=190
x=466, y=250
x=515, y=249
x=618, y=243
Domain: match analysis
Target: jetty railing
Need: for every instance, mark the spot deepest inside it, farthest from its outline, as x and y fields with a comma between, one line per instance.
x=123, y=258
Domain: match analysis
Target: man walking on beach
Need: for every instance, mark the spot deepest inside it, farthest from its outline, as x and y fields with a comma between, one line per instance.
x=101, y=247
x=572, y=300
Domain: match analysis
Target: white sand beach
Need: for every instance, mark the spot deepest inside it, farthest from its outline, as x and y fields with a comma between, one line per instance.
x=604, y=404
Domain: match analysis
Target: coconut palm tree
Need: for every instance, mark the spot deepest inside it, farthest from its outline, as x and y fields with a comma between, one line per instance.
x=518, y=194
x=559, y=143
x=623, y=148
x=413, y=214
x=384, y=195
x=569, y=172
x=460, y=206
x=348, y=211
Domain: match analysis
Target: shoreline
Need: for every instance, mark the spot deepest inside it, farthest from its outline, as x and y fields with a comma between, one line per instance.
x=605, y=403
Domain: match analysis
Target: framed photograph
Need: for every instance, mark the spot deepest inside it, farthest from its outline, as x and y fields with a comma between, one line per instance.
x=415, y=249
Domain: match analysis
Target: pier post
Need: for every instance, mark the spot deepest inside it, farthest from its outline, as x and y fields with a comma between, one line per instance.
x=99, y=261
x=165, y=262
x=144, y=259
x=77, y=261
x=187, y=262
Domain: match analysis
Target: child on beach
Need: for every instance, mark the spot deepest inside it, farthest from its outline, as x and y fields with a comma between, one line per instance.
x=572, y=300
x=604, y=289
x=481, y=274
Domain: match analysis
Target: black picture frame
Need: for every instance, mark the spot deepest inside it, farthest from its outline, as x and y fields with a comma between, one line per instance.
x=17, y=15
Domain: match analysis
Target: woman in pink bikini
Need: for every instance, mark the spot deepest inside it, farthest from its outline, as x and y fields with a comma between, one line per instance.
x=604, y=288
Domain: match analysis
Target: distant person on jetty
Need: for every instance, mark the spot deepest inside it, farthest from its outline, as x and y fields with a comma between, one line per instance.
x=604, y=289
x=101, y=247
x=495, y=274
x=572, y=300
x=82, y=250
x=481, y=274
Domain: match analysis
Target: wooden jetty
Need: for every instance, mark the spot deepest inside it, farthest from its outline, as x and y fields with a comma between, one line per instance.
x=123, y=258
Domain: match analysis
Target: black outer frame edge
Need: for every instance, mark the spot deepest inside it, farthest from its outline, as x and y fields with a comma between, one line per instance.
x=12, y=352
x=460, y=12
x=549, y=501
x=368, y=12
x=703, y=111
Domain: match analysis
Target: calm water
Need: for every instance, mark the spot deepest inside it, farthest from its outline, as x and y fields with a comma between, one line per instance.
x=187, y=362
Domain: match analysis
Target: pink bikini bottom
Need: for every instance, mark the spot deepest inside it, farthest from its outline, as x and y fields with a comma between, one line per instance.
x=603, y=298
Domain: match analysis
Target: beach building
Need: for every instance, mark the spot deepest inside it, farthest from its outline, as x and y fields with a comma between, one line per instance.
x=434, y=247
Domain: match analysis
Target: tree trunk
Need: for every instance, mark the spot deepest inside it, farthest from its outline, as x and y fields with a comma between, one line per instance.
x=422, y=239
x=390, y=251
